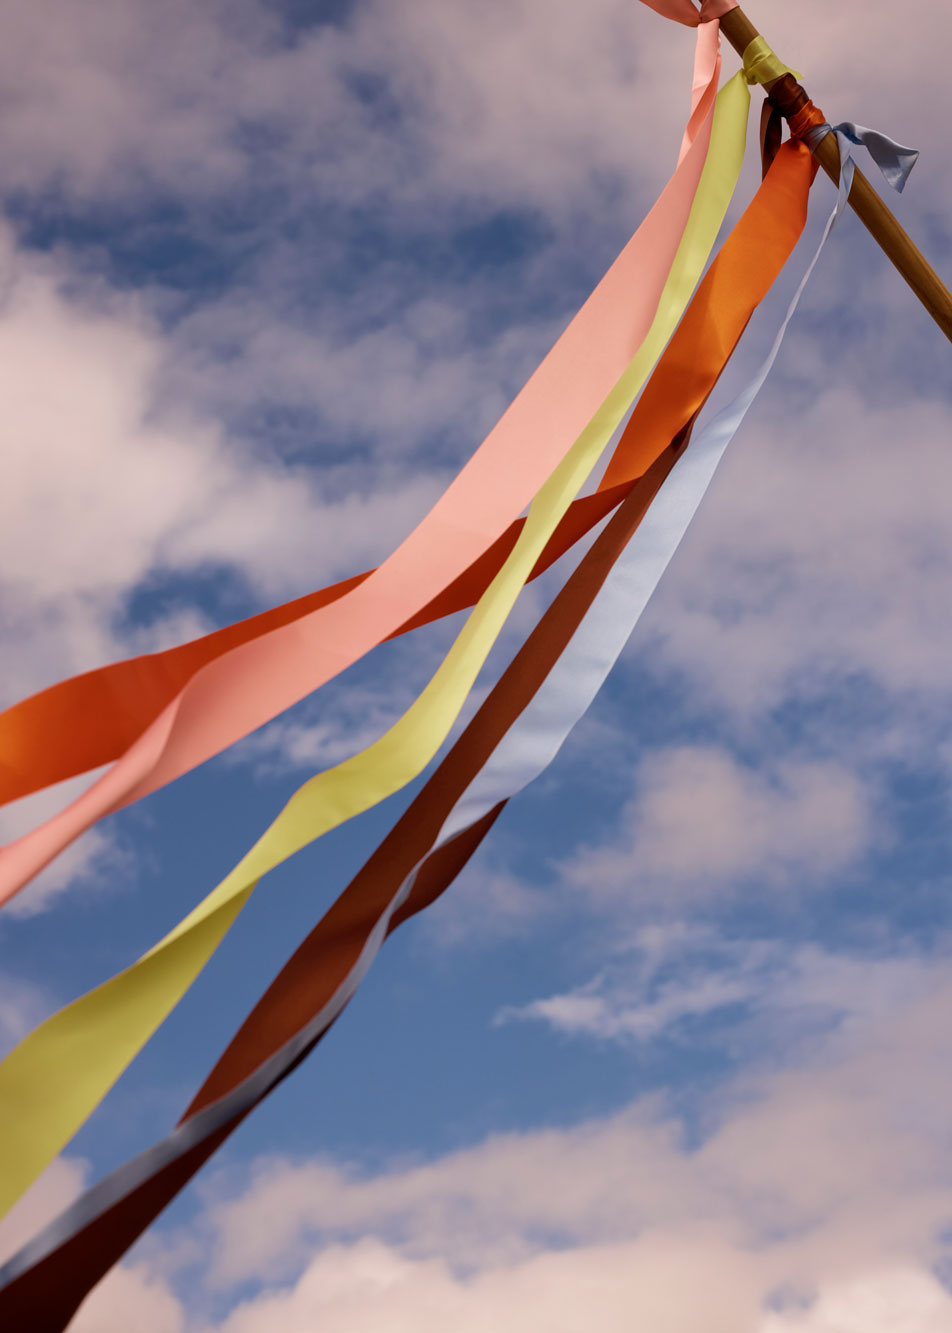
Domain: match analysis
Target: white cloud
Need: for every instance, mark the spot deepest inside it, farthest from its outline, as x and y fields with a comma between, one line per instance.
x=526, y=100
x=851, y=1138
x=899, y=1300
x=608, y=1012
x=359, y=1288
x=814, y=1201
x=642, y=1284
x=130, y=1296
x=105, y=488
x=118, y=96
x=701, y=820
x=747, y=988
x=821, y=558
x=23, y=1004
x=90, y=110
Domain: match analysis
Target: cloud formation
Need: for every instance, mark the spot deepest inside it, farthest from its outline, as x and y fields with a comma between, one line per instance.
x=698, y=988
x=815, y=1200
x=701, y=822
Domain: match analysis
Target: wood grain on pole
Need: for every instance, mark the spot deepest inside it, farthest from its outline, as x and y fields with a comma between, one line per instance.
x=866, y=203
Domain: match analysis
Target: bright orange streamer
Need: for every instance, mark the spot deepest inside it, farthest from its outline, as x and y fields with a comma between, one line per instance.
x=92, y=719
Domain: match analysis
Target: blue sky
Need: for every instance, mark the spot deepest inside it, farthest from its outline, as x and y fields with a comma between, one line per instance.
x=680, y=1030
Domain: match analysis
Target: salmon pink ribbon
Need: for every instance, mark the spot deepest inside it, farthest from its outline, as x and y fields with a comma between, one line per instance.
x=685, y=11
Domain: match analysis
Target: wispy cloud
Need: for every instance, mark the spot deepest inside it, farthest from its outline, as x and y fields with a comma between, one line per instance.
x=701, y=823
x=697, y=987
x=821, y=563
x=817, y=1192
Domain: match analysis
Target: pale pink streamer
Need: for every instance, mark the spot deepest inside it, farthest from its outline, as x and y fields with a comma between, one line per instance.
x=705, y=54
x=245, y=688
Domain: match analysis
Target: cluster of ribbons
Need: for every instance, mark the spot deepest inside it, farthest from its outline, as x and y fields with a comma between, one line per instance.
x=649, y=344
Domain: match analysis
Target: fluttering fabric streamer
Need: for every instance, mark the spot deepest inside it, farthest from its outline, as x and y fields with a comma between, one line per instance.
x=706, y=48
x=540, y=698
x=769, y=229
x=894, y=161
x=87, y=1045
x=515, y=734
x=243, y=688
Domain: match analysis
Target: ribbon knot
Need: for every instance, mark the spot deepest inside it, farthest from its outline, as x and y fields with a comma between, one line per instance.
x=894, y=161
x=687, y=12
x=761, y=65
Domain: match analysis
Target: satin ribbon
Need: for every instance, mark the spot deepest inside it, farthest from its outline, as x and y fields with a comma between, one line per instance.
x=85, y=1047
x=761, y=65
x=685, y=11
x=59, y=1267
x=247, y=686
x=893, y=160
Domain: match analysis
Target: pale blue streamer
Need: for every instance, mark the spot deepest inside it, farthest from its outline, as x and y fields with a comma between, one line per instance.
x=894, y=161
x=529, y=746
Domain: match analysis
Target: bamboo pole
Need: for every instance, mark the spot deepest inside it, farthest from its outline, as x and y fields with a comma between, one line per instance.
x=866, y=203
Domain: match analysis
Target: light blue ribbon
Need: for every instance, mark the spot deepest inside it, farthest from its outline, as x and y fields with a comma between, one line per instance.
x=894, y=161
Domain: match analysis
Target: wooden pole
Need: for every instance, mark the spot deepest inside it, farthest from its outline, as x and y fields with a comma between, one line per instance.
x=864, y=200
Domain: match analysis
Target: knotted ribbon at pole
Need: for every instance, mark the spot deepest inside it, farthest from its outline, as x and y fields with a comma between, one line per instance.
x=86, y=1046
x=893, y=160
x=245, y=687
x=685, y=11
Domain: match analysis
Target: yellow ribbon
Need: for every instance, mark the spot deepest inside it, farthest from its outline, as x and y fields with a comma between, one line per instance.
x=762, y=66
x=55, y=1078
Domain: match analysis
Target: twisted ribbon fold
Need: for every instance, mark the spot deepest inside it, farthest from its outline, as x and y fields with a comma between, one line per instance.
x=686, y=12
x=761, y=65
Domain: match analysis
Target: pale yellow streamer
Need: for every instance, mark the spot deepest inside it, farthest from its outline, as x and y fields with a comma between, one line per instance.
x=58, y=1074
x=761, y=65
